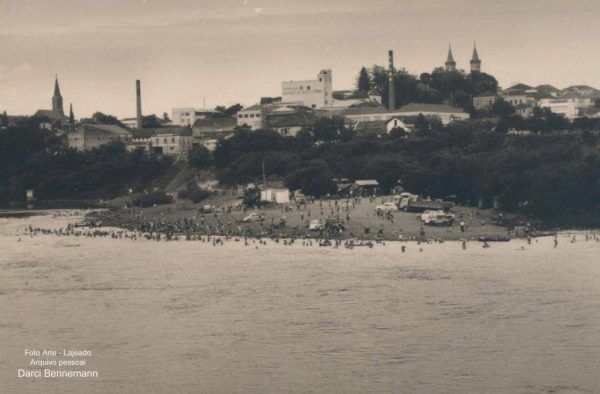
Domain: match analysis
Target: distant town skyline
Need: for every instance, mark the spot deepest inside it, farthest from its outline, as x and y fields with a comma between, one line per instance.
x=189, y=52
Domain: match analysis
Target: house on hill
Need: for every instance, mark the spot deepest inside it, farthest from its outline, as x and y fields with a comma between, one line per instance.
x=290, y=124
x=214, y=127
x=445, y=112
x=485, y=99
x=88, y=136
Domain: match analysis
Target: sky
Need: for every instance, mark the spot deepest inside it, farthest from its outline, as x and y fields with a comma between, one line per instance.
x=191, y=53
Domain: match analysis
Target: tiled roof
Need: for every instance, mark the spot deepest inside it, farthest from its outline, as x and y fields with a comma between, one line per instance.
x=294, y=119
x=108, y=128
x=215, y=124
x=50, y=114
x=425, y=107
x=488, y=93
x=149, y=132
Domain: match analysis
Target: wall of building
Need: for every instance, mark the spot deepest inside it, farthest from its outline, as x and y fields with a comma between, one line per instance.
x=315, y=93
x=174, y=145
x=251, y=118
x=483, y=102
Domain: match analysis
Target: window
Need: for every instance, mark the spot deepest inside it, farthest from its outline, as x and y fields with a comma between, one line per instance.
x=258, y=115
x=165, y=141
x=308, y=88
x=252, y=115
x=173, y=139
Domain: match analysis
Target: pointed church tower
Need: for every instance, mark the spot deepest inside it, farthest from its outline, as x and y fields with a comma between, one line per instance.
x=57, y=101
x=475, y=62
x=450, y=63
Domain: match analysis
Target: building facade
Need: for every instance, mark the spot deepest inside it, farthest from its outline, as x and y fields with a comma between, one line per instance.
x=316, y=93
x=189, y=116
x=88, y=136
x=251, y=117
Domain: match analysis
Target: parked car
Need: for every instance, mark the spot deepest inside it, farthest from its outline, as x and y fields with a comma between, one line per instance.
x=316, y=225
x=437, y=218
x=387, y=207
x=253, y=217
x=207, y=209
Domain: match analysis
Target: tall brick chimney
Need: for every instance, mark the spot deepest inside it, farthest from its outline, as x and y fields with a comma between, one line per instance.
x=392, y=92
x=138, y=94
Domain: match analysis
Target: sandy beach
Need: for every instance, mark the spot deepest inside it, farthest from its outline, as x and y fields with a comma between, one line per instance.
x=359, y=219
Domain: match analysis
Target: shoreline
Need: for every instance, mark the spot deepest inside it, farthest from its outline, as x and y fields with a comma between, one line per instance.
x=291, y=221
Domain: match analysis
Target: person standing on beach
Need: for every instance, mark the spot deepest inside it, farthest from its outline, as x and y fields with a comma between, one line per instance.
x=462, y=226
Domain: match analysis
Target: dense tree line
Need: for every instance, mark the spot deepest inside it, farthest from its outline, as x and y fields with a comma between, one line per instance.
x=36, y=159
x=455, y=87
x=547, y=175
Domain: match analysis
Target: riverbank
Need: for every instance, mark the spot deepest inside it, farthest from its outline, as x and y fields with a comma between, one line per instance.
x=358, y=217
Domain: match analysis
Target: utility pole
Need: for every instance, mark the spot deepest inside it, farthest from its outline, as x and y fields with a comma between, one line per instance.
x=264, y=177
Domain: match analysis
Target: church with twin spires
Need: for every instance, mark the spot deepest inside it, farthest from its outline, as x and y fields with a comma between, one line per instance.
x=450, y=64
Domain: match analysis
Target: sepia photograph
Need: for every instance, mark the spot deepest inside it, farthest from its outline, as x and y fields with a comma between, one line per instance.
x=284, y=196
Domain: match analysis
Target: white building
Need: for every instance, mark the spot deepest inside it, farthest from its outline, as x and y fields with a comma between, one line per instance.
x=188, y=116
x=251, y=117
x=570, y=106
x=88, y=136
x=279, y=196
x=444, y=112
x=315, y=93
x=130, y=122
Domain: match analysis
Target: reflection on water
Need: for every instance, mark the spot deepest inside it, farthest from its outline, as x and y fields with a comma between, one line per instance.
x=187, y=317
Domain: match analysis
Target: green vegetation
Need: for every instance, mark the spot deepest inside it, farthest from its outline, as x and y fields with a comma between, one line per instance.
x=549, y=176
x=439, y=86
x=194, y=193
x=157, y=197
x=36, y=159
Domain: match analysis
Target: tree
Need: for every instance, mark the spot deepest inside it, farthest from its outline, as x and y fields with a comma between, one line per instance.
x=101, y=118
x=328, y=128
x=363, y=83
x=151, y=122
x=4, y=119
x=502, y=108
x=314, y=179
x=397, y=132
x=200, y=157
x=166, y=117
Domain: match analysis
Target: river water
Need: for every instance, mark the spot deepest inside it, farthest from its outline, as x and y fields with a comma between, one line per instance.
x=187, y=317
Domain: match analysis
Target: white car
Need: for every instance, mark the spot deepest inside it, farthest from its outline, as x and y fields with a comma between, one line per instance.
x=437, y=218
x=316, y=225
x=387, y=207
x=253, y=217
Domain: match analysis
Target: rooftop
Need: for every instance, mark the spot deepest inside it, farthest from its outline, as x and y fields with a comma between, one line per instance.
x=425, y=107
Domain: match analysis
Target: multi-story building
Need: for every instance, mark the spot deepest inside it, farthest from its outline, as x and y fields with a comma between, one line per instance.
x=485, y=100
x=252, y=117
x=314, y=93
x=189, y=116
x=172, y=141
x=88, y=136
x=444, y=112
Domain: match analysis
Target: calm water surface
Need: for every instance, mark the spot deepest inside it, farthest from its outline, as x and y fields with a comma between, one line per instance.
x=187, y=317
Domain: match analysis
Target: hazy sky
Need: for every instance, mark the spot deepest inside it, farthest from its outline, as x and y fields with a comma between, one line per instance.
x=230, y=51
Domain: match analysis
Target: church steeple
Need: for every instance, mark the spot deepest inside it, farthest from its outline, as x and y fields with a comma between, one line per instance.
x=475, y=62
x=57, y=101
x=450, y=63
